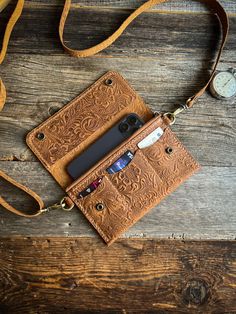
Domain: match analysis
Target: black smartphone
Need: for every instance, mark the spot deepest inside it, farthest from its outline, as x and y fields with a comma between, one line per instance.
x=111, y=139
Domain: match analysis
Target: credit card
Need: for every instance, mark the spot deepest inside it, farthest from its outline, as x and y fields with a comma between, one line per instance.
x=152, y=138
x=121, y=163
x=89, y=189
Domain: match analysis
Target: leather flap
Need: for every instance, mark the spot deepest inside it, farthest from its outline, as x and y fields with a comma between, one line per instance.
x=71, y=130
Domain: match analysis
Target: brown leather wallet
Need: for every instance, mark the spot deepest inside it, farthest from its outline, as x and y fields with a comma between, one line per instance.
x=154, y=172
x=124, y=197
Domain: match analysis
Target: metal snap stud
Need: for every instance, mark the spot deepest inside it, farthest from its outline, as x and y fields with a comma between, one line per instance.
x=109, y=82
x=169, y=150
x=99, y=206
x=40, y=136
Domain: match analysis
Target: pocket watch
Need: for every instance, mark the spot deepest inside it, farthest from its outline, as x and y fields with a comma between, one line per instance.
x=223, y=84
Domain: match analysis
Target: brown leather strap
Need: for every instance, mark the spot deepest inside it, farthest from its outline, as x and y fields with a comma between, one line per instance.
x=10, y=25
x=12, y=21
x=9, y=207
x=213, y=4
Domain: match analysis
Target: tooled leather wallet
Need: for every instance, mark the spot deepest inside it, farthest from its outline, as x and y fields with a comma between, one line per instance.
x=125, y=196
x=121, y=198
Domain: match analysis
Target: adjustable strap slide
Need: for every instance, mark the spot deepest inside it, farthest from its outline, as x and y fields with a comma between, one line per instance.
x=213, y=4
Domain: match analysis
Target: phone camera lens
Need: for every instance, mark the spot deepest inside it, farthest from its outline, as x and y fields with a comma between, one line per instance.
x=132, y=120
x=124, y=127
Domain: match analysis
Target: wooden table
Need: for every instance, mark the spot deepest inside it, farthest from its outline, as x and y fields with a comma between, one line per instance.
x=180, y=257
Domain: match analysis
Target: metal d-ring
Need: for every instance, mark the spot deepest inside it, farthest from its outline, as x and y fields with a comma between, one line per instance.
x=64, y=205
x=61, y=205
x=172, y=115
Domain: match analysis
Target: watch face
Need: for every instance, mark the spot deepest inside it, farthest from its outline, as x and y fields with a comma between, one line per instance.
x=224, y=84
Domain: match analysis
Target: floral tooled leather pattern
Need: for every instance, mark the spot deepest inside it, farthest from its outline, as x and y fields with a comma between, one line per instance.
x=172, y=166
x=153, y=173
x=81, y=118
x=139, y=183
x=115, y=214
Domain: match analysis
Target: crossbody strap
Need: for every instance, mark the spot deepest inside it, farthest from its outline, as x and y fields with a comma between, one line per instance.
x=32, y=194
x=10, y=25
x=212, y=4
x=66, y=203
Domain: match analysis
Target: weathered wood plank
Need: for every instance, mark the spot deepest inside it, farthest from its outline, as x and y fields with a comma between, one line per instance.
x=170, y=6
x=203, y=207
x=54, y=275
x=150, y=34
x=33, y=93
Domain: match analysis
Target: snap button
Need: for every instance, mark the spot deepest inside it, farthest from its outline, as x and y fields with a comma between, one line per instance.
x=169, y=150
x=109, y=82
x=99, y=206
x=40, y=136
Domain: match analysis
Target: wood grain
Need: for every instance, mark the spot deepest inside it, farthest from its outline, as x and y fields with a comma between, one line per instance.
x=150, y=34
x=57, y=275
x=165, y=55
x=202, y=208
x=183, y=6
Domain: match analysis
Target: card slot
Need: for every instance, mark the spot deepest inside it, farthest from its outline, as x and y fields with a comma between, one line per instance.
x=124, y=197
x=139, y=183
x=106, y=209
x=120, y=198
x=170, y=159
x=130, y=144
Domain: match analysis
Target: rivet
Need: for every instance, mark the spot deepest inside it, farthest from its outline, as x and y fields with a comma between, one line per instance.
x=169, y=150
x=99, y=206
x=109, y=82
x=40, y=136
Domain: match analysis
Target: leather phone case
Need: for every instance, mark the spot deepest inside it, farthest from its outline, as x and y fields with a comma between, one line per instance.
x=124, y=197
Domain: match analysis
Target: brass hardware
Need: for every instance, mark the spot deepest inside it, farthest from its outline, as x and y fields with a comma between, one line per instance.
x=109, y=82
x=99, y=206
x=61, y=205
x=169, y=150
x=64, y=206
x=172, y=115
x=40, y=136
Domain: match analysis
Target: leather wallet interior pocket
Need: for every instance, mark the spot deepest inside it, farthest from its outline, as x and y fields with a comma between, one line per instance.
x=121, y=198
x=106, y=209
x=170, y=159
x=124, y=197
x=138, y=182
